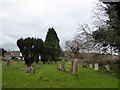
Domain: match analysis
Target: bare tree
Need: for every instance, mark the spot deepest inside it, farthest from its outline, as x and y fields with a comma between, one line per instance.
x=82, y=42
x=85, y=35
x=73, y=46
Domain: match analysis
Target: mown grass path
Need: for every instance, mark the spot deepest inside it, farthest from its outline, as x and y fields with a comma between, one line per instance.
x=48, y=76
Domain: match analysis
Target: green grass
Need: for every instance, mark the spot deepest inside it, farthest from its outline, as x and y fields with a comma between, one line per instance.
x=48, y=76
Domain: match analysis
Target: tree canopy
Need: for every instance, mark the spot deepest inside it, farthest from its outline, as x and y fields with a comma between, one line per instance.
x=2, y=51
x=32, y=48
x=52, y=45
x=110, y=31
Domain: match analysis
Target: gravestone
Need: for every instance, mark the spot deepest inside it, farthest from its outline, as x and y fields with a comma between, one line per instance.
x=66, y=70
x=61, y=65
x=8, y=62
x=53, y=62
x=107, y=67
x=96, y=66
x=58, y=65
x=91, y=66
x=74, y=67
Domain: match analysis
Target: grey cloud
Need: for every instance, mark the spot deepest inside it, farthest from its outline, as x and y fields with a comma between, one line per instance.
x=23, y=18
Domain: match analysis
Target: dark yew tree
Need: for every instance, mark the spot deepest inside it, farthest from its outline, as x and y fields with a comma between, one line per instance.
x=30, y=49
x=45, y=55
x=51, y=45
x=38, y=49
x=2, y=51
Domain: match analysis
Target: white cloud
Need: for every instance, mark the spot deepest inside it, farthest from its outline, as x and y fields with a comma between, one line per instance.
x=23, y=18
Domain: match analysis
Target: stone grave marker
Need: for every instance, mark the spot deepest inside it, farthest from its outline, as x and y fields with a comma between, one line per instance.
x=96, y=66
x=74, y=67
x=61, y=65
x=58, y=65
x=91, y=66
x=67, y=70
x=107, y=67
x=8, y=62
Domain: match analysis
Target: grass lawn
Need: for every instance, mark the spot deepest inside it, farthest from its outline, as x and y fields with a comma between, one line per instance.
x=48, y=76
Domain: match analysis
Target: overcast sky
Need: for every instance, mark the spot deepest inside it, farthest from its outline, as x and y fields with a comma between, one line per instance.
x=32, y=18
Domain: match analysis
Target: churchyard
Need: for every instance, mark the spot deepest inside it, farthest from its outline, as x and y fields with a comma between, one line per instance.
x=89, y=59
x=62, y=74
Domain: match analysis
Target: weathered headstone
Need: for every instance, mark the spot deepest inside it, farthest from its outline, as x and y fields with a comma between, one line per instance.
x=96, y=66
x=91, y=66
x=61, y=65
x=8, y=62
x=107, y=67
x=74, y=67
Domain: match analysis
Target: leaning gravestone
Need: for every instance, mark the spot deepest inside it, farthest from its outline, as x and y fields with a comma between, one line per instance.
x=96, y=66
x=91, y=66
x=74, y=67
x=107, y=67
